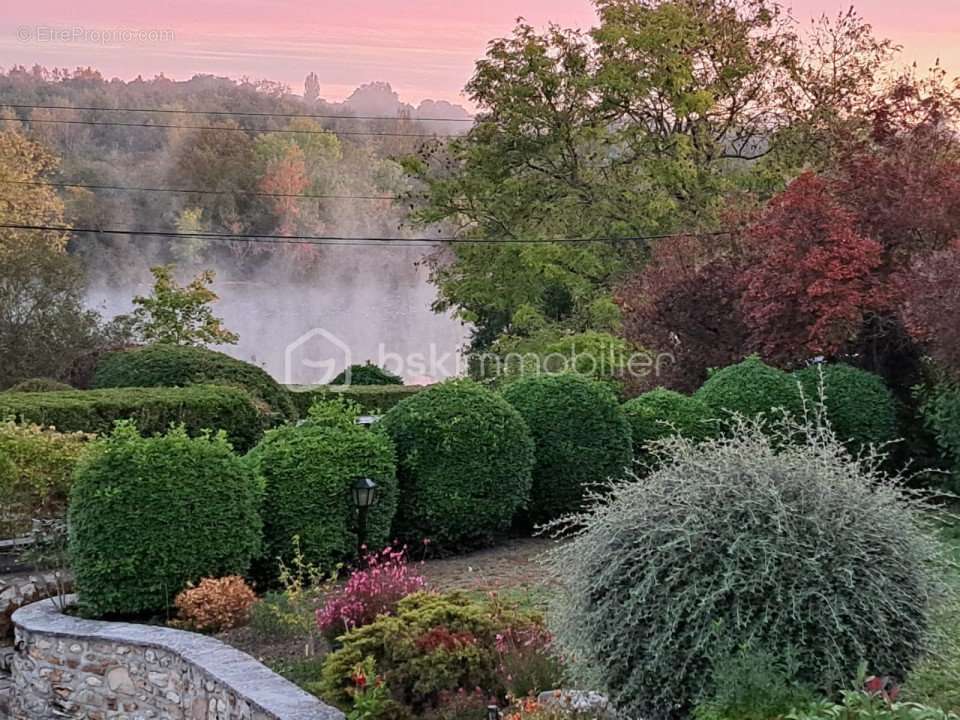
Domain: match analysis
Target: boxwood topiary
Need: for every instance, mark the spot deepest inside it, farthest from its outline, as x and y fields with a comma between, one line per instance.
x=147, y=516
x=374, y=399
x=307, y=471
x=198, y=408
x=181, y=365
x=464, y=462
x=366, y=374
x=858, y=404
x=751, y=388
x=660, y=413
x=582, y=439
x=754, y=539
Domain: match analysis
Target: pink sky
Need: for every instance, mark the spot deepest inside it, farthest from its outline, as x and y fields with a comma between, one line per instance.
x=424, y=48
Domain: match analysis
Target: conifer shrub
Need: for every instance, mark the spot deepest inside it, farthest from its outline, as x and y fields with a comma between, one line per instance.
x=581, y=435
x=748, y=540
x=308, y=471
x=941, y=416
x=148, y=516
x=181, y=365
x=751, y=388
x=859, y=406
x=660, y=413
x=464, y=461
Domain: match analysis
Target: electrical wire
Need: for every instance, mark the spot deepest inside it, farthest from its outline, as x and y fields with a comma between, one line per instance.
x=237, y=113
x=188, y=191
x=347, y=240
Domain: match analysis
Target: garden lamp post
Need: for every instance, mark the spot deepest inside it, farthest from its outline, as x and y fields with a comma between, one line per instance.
x=364, y=497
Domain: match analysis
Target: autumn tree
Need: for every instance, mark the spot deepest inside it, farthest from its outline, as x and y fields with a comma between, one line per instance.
x=180, y=315
x=685, y=304
x=646, y=125
x=43, y=321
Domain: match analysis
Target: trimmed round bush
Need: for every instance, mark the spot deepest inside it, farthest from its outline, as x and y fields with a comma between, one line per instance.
x=750, y=388
x=859, y=405
x=39, y=385
x=660, y=413
x=308, y=472
x=751, y=540
x=581, y=435
x=147, y=516
x=464, y=458
x=366, y=374
x=181, y=365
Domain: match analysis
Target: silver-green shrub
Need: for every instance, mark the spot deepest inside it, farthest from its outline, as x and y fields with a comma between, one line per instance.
x=752, y=539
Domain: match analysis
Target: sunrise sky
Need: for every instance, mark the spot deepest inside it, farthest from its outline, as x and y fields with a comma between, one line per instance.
x=424, y=48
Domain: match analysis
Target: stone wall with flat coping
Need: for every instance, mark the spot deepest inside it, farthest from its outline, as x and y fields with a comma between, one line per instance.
x=67, y=667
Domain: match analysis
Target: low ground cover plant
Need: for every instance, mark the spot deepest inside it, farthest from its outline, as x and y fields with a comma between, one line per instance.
x=431, y=647
x=752, y=539
x=148, y=516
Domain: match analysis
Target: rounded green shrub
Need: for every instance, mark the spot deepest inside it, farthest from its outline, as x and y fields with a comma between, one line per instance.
x=308, y=471
x=582, y=439
x=660, y=413
x=859, y=406
x=464, y=458
x=750, y=388
x=751, y=540
x=39, y=385
x=366, y=374
x=941, y=416
x=147, y=516
x=182, y=365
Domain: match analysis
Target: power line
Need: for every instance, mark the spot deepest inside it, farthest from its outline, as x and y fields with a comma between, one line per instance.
x=197, y=191
x=229, y=129
x=347, y=240
x=237, y=113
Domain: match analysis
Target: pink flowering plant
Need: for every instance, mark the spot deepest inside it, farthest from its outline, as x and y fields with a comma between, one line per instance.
x=370, y=591
x=526, y=660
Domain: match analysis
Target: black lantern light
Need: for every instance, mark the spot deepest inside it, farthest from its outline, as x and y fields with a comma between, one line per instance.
x=364, y=497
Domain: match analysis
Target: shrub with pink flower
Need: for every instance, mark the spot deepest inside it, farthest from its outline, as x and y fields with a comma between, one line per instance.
x=527, y=663
x=371, y=591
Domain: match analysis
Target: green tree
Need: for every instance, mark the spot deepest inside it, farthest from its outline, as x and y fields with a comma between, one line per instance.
x=43, y=322
x=655, y=121
x=180, y=315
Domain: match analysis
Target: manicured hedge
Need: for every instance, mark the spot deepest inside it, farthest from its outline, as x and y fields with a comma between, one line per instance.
x=941, y=416
x=366, y=374
x=751, y=388
x=180, y=366
x=660, y=413
x=198, y=407
x=859, y=406
x=374, y=399
x=464, y=458
x=148, y=516
x=308, y=471
x=39, y=385
x=582, y=439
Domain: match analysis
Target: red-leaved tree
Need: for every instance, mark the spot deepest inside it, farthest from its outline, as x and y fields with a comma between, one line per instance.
x=684, y=303
x=815, y=279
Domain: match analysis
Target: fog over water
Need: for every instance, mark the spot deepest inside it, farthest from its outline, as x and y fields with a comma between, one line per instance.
x=363, y=304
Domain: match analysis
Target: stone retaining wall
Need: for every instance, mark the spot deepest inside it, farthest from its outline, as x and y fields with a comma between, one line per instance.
x=66, y=667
